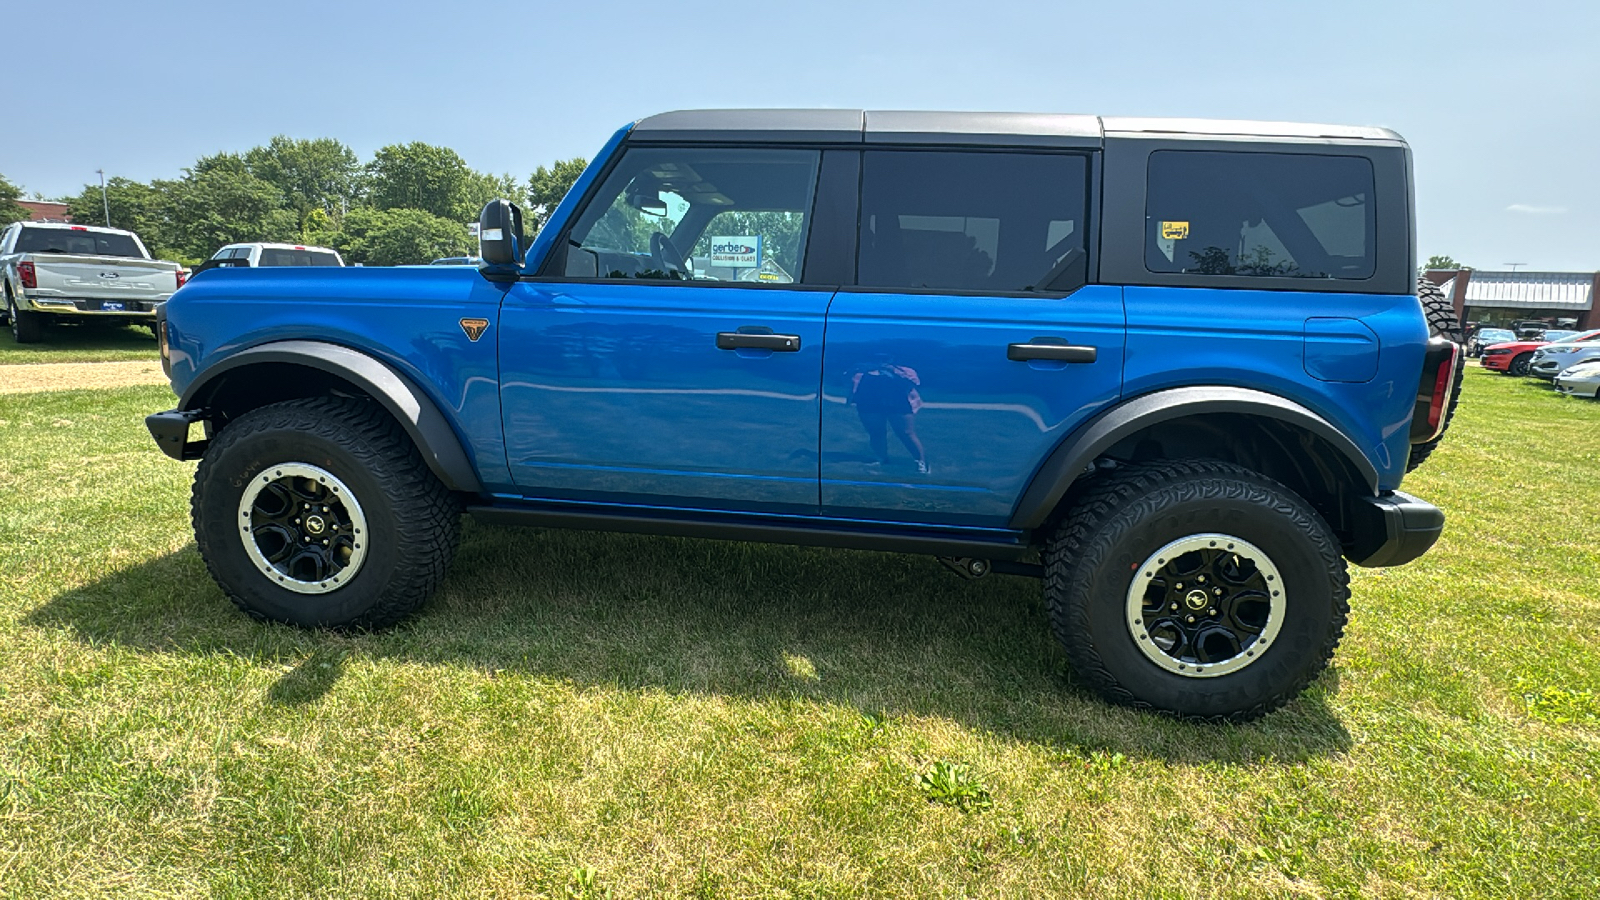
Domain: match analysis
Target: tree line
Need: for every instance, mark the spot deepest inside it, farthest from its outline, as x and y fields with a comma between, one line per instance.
x=409, y=204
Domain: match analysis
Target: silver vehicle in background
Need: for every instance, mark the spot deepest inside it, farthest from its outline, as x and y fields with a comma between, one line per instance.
x=1552, y=359
x=1582, y=380
x=54, y=271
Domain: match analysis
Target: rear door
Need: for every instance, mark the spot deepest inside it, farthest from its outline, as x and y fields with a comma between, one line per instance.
x=971, y=344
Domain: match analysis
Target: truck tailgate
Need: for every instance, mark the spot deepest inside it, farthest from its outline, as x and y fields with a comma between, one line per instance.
x=103, y=277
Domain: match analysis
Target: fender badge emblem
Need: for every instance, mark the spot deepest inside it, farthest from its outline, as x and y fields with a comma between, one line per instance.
x=474, y=328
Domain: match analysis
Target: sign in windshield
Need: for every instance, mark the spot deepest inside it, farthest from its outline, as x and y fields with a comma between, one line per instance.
x=77, y=243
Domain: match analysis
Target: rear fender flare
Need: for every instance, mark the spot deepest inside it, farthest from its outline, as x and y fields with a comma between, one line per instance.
x=1078, y=451
x=427, y=426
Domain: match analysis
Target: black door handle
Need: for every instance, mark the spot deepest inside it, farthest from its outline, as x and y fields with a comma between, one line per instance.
x=1072, y=353
x=741, y=340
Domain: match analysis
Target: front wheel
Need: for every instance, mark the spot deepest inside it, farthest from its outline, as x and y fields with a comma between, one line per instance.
x=1519, y=366
x=321, y=513
x=1197, y=588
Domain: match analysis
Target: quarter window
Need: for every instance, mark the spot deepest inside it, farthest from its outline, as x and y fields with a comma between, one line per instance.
x=982, y=222
x=1275, y=215
x=698, y=214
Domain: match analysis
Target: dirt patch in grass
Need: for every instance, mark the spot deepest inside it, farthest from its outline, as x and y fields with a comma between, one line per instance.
x=36, y=377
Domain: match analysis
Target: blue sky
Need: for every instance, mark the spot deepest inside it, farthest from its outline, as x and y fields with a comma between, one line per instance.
x=1500, y=101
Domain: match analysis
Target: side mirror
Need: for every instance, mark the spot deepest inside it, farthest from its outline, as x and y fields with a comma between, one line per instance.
x=500, y=238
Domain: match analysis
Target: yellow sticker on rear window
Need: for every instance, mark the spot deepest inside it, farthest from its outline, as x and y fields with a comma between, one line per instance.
x=1174, y=231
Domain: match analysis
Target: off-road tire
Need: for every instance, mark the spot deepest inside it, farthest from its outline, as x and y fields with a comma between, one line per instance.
x=1519, y=365
x=1121, y=519
x=1442, y=322
x=26, y=327
x=413, y=522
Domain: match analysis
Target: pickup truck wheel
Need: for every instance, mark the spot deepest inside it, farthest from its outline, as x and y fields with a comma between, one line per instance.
x=1196, y=588
x=26, y=327
x=1442, y=322
x=321, y=513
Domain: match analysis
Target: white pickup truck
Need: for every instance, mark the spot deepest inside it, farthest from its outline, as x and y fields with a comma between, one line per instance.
x=54, y=271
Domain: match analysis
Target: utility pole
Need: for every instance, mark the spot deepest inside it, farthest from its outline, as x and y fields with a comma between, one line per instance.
x=103, y=198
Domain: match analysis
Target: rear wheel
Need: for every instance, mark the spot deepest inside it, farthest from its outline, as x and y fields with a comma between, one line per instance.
x=1442, y=322
x=322, y=513
x=26, y=327
x=1197, y=588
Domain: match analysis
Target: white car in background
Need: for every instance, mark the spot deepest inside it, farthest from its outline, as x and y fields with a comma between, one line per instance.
x=277, y=255
x=1582, y=380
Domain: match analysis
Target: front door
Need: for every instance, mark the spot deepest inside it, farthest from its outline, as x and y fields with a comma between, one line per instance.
x=675, y=361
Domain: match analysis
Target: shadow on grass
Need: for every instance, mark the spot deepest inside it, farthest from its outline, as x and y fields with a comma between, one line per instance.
x=884, y=634
x=63, y=342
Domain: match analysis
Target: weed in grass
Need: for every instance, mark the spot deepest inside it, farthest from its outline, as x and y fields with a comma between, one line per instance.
x=953, y=784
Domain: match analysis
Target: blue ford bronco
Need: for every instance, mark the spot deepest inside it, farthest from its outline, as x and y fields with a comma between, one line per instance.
x=1175, y=369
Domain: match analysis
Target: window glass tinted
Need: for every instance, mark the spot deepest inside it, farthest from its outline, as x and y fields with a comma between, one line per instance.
x=82, y=243
x=1259, y=215
x=972, y=221
x=699, y=214
x=280, y=256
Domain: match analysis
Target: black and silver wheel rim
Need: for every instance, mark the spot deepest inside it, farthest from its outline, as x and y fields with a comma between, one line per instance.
x=1205, y=605
x=303, y=528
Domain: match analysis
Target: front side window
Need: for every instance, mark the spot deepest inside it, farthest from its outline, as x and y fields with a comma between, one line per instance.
x=1261, y=215
x=983, y=222
x=698, y=214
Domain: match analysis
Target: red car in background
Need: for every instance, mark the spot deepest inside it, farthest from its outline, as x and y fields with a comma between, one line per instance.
x=1513, y=357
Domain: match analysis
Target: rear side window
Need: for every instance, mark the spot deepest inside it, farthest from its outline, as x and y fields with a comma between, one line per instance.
x=983, y=222
x=278, y=256
x=80, y=243
x=1263, y=215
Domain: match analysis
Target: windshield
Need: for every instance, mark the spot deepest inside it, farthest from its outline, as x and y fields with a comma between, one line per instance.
x=78, y=242
x=1491, y=335
x=281, y=256
x=1553, y=336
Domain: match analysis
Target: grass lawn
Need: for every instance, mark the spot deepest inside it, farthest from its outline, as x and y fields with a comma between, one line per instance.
x=581, y=715
x=80, y=342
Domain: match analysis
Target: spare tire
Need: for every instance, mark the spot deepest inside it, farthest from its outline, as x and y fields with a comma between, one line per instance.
x=1442, y=322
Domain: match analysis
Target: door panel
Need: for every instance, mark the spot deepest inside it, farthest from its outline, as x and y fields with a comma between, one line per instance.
x=620, y=392
x=984, y=421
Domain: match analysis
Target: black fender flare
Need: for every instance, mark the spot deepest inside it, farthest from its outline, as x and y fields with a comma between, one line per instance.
x=1078, y=451
x=427, y=426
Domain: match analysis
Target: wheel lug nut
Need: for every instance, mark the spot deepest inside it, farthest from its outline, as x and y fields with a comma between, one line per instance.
x=1191, y=620
x=1178, y=586
x=324, y=509
x=1217, y=591
x=1213, y=612
x=1174, y=607
x=1201, y=579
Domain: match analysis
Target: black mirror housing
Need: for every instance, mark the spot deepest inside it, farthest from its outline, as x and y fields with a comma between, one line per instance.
x=500, y=238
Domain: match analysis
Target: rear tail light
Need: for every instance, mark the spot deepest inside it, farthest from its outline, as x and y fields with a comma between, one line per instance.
x=1440, y=370
x=183, y=277
x=30, y=278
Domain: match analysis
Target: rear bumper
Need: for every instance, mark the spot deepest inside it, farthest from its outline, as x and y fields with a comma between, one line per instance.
x=140, y=309
x=1393, y=529
x=171, y=432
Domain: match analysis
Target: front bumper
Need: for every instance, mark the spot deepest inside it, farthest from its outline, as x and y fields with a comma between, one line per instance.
x=1578, y=387
x=1392, y=529
x=171, y=431
x=1499, y=362
x=1550, y=367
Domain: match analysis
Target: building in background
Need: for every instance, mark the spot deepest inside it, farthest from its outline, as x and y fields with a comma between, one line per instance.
x=45, y=210
x=1498, y=299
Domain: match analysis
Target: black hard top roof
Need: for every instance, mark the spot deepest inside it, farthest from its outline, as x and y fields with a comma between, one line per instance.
x=984, y=128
